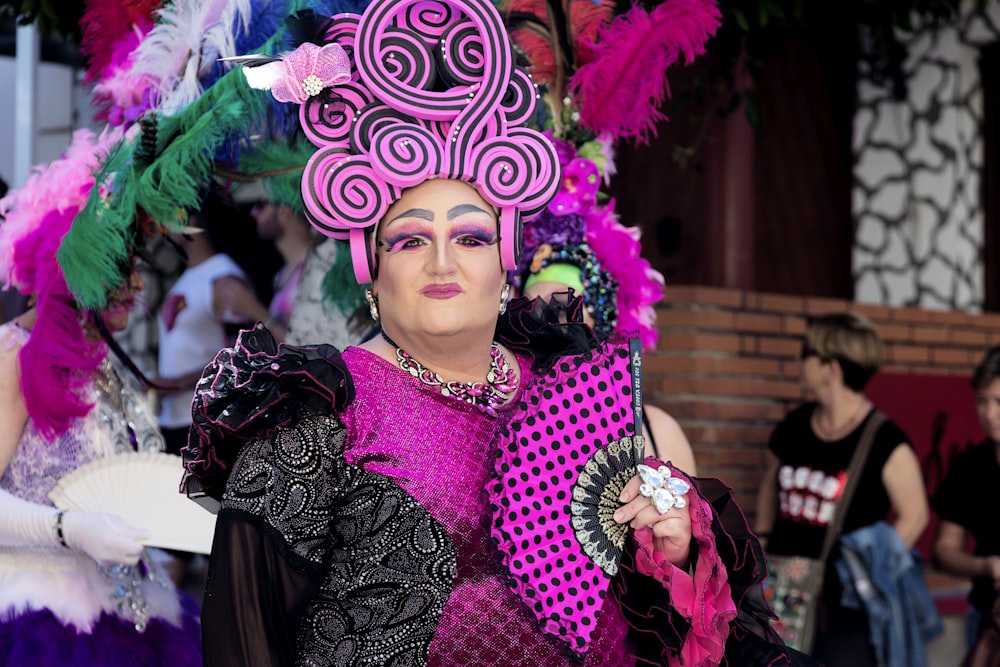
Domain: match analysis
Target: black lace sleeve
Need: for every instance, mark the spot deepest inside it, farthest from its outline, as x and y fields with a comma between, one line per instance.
x=318, y=562
x=249, y=391
x=272, y=544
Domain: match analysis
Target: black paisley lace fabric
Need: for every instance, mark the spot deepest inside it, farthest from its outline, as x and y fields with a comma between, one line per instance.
x=250, y=390
x=322, y=563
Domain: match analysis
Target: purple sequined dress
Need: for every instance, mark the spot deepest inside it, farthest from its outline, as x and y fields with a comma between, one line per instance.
x=439, y=450
x=56, y=607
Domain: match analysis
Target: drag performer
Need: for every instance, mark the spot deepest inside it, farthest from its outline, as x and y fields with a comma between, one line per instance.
x=76, y=588
x=437, y=495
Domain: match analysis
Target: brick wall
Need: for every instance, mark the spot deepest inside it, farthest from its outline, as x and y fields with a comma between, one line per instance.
x=727, y=367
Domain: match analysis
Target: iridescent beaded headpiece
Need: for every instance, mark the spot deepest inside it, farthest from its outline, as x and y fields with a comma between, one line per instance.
x=432, y=92
x=600, y=289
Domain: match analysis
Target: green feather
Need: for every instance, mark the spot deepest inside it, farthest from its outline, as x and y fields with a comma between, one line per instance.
x=340, y=288
x=96, y=247
x=96, y=252
x=279, y=165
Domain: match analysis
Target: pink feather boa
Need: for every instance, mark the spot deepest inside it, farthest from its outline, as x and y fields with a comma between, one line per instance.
x=58, y=361
x=640, y=286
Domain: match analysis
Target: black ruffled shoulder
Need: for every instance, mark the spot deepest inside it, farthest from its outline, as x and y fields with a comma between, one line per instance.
x=546, y=330
x=248, y=392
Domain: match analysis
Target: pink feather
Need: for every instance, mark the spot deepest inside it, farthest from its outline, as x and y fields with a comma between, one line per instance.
x=59, y=360
x=640, y=286
x=622, y=89
x=104, y=23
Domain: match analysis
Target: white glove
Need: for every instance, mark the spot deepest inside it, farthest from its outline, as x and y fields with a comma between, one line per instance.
x=26, y=524
x=107, y=538
x=104, y=537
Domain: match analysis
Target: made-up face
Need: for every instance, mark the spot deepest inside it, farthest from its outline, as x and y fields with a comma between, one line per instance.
x=116, y=313
x=439, y=270
x=988, y=408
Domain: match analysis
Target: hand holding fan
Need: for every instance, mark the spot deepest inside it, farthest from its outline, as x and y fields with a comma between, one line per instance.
x=141, y=488
x=564, y=461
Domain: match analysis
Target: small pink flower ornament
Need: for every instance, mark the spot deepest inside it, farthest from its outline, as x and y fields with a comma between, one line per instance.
x=301, y=74
x=578, y=192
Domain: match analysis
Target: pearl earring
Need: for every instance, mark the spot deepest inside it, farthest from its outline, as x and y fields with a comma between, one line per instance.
x=372, y=304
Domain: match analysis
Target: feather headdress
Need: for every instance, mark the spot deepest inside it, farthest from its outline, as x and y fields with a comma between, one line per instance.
x=59, y=359
x=605, y=80
x=621, y=90
x=149, y=182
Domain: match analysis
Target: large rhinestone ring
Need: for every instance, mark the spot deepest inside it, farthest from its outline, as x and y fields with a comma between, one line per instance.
x=665, y=491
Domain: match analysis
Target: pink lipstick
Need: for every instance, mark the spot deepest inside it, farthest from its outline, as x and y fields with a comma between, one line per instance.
x=446, y=291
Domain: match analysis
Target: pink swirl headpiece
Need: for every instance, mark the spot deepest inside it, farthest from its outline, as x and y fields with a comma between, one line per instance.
x=433, y=93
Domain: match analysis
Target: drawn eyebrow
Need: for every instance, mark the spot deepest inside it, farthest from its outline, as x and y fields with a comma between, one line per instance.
x=419, y=213
x=424, y=214
x=462, y=209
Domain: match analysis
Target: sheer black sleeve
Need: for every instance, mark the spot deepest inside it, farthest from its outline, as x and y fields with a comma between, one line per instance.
x=255, y=599
x=272, y=544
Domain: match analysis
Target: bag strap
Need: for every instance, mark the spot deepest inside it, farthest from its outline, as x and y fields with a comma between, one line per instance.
x=875, y=421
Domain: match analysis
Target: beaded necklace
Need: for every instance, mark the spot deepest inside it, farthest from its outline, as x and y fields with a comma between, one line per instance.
x=501, y=381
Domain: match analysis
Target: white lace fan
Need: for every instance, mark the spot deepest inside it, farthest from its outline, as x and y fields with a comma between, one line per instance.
x=142, y=488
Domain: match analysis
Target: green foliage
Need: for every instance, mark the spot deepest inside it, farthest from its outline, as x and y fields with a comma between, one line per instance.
x=754, y=30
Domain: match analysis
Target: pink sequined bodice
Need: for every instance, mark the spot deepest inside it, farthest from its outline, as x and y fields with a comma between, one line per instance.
x=440, y=451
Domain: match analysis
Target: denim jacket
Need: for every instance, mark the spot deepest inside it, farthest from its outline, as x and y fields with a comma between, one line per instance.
x=882, y=577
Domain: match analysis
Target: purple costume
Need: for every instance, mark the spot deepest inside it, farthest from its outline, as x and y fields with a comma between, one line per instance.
x=56, y=606
x=355, y=528
x=440, y=451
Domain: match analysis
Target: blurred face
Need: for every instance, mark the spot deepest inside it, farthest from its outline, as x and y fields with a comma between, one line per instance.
x=439, y=267
x=815, y=371
x=546, y=288
x=116, y=313
x=988, y=408
x=268, y=224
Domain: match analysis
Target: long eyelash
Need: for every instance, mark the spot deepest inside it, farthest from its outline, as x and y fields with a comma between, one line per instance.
x=393, y=241
x=481, y=235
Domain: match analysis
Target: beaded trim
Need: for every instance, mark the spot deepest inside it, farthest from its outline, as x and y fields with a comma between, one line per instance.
x=57, y=527
x=501, y=381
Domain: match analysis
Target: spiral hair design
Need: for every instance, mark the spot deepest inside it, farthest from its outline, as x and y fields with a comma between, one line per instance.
x=434, y=93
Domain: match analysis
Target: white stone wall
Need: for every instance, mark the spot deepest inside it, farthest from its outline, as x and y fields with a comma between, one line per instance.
x=916, y=199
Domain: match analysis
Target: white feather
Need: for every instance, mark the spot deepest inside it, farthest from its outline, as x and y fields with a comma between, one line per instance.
x=189, y=36
x=262, y=77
